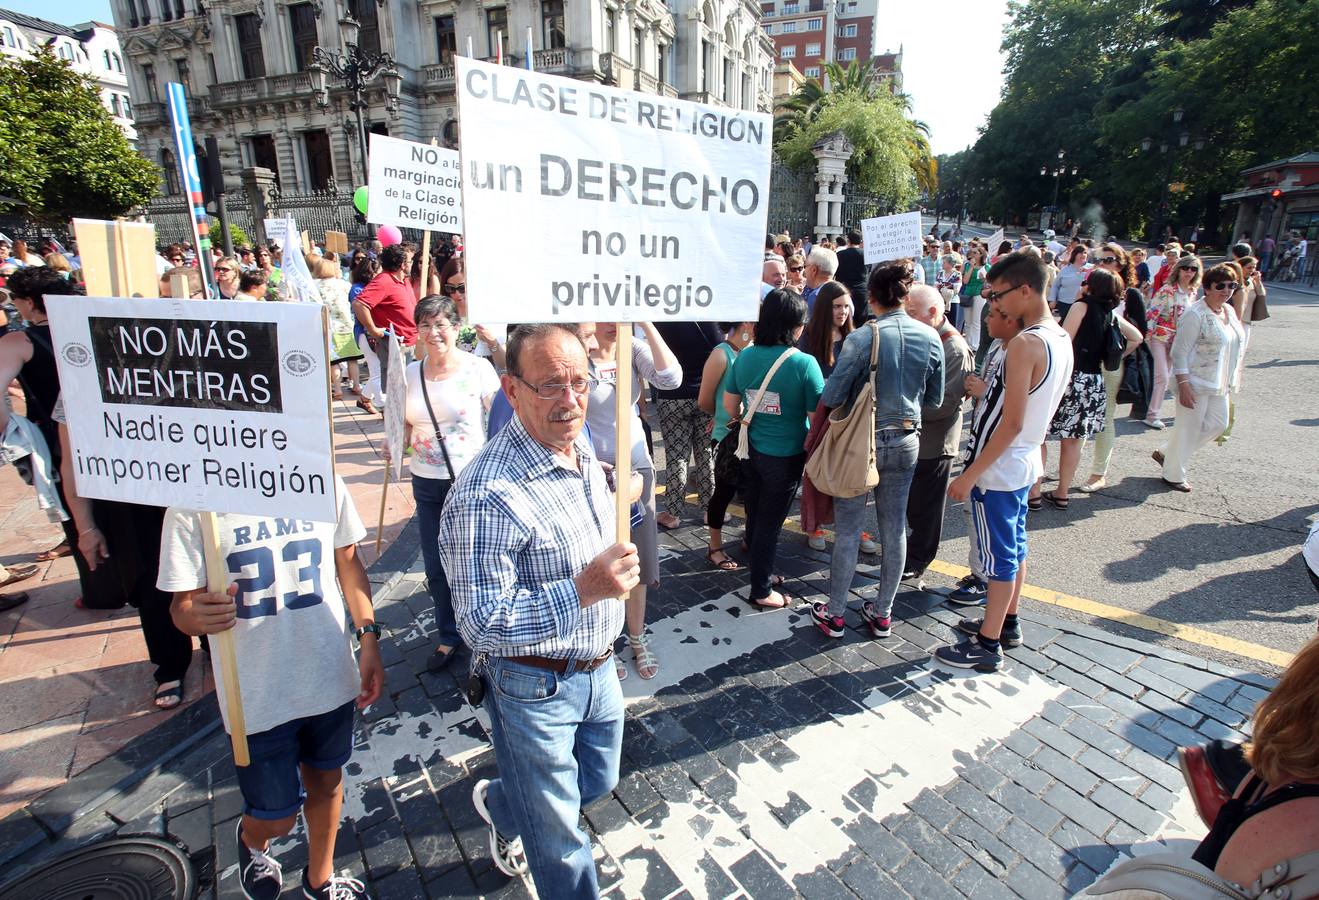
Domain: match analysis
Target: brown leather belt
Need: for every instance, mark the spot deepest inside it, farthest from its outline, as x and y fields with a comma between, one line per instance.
x=563, y=666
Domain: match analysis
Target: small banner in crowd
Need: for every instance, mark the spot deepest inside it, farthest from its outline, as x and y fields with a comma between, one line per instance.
x=627, y=207
x=414, y=185
x=396, y=388
x=995, y=239
x=297, y=283
x=213, y=405
x=891, y=237
x=118, y=258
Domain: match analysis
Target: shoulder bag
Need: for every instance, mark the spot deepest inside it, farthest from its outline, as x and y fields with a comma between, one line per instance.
x=744, y=431
x=843, y=465
x=1172, y=876
x=430, y=410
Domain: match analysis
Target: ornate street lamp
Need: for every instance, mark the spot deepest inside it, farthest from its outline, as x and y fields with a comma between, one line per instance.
x=1170, y=145
x=355, y=70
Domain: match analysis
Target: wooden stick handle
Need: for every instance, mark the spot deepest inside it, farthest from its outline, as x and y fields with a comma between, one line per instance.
x=217, y=577
x=623, y=443
x=384, y=493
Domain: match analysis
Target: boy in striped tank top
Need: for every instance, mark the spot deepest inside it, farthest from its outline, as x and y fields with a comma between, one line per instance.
x=1003, y=454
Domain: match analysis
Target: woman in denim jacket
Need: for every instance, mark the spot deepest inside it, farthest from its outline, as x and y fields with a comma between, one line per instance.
x=908, y=376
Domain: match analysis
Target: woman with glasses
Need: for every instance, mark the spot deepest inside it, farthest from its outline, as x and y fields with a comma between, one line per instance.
x=949, y=284
x=973, y=279
x=653, y=361
x=485, y=341
x=796, y=266
x=265, y=262
x=449, y=395
x=1114, y=260
x=1165, y=309
x=1205, y=352
x=227, y=271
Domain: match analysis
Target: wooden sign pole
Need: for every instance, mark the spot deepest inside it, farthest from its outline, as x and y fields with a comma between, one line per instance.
x=384, y=493
x=124, y=278
x=623, y=434
x=426, y=253
x=223, y=642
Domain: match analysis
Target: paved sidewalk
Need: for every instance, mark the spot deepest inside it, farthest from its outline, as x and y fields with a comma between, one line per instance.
x=764, y=761
x=75, y=685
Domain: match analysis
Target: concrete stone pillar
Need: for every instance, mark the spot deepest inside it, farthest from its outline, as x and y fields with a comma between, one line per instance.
x=257, y=184
x=831, y=154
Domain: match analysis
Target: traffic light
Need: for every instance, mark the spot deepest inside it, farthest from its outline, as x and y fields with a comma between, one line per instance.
x=220, y=174
x=1275, y=193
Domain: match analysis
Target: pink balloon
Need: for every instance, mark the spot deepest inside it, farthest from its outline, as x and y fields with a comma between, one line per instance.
x=389, y=235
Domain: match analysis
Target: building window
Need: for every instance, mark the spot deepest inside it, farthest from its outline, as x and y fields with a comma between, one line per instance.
x=366, y=12
x=446, y=39
x=707, y=64
x=496, y=28
x=662, y=63
x=8, y=39
x=813, y=49
x=847, y=53
x=149, y=78
x=253, y=60
x=790, y=8
x=263, y=153
x=849, y=31
x=728, y=81
x=611, y=26
x=210, y=67
x=114, y=106
x=166, y=14
x=746, y=101
x=767, y=9
x=128, y=107
x=638, y=49
x=812, y=71
x=184, y=75
x=118, y=63
x=105, y=55
x=320, y=169
x=302, y=23
x=788, y=52
x=553, y=36
x=769, y=29
x=170, y=172
x=789, y=27
x=814, y=24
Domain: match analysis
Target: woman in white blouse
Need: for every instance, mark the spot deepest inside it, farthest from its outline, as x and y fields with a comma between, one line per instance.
x=1204, y=355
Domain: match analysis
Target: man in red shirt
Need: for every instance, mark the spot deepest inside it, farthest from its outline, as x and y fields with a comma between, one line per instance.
x=387, y=302
x=1171, y=255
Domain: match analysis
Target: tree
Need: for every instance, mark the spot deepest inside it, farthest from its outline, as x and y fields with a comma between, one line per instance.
x=61, y=154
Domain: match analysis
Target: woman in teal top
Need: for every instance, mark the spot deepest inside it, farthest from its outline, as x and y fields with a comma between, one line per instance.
x=777, y=432
x=714, y=381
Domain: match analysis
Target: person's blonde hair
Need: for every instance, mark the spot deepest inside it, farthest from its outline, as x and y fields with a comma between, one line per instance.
x=59, y=262
x=323, y=268
x=1285, y=742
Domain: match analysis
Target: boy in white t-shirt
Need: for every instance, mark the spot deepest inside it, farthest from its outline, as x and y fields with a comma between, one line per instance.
x=297, y=674
x=1003, y=454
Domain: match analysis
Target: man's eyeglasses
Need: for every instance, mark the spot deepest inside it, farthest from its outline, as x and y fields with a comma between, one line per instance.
x=554, y=390
x=991, y=296
x=1224, y=286
x=1107, y=260
x=452, y=289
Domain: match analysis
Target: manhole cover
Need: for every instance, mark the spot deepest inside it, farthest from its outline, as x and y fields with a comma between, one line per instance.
x=131, y=868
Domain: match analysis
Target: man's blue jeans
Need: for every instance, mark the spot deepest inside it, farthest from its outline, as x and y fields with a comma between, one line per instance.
x=558, y=739
x=895, y=456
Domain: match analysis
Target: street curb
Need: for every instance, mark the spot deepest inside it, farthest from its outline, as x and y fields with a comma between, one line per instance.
x=48, y=818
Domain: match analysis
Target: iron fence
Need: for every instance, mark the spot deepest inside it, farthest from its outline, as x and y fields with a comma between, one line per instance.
x=791, y=199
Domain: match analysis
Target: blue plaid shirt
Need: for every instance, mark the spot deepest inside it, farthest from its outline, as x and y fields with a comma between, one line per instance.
x=930, y=268
x=517, y=527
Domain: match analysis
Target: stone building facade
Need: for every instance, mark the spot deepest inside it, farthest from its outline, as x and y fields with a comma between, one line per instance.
x=246, y=65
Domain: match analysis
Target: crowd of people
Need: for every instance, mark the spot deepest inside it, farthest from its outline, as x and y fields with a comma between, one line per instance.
x=511, y=433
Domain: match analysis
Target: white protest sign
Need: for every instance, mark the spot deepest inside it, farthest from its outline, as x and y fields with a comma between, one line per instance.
x=413, y=185
x=995, y=239
x=296, y=282
x=396, y=389
x=213, y=405
x=891, y=237
x=626, y=207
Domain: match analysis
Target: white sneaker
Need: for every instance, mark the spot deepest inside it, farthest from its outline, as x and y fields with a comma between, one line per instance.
x=868, y=544
x=507, y=855
x=816, y=540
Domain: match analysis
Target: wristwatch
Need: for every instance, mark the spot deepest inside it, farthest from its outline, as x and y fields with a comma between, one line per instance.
x=373, y=628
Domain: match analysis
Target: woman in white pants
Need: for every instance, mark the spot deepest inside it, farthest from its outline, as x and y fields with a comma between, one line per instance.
x=1204, y=362
x=1165, y=308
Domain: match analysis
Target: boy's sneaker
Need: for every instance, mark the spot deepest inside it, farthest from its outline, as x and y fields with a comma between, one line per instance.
x=832, y=626
x=970, y=654
x=816, y=539
x=259, y=875
x=506, y=854
x=337, y=888
x=880, y=626
x=970, y=591
x=1008, y=637
x=868, y=544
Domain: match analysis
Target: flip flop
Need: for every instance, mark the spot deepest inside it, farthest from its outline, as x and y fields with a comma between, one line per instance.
x=61, y=549
x=1178, y=486
x=786, y=598
x=728, y=564
x=19, y=573
x=169, y=695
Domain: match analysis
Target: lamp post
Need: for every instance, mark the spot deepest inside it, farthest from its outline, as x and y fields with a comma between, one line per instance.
x=355, y=70
x=1058, y=171
x=1175, y=139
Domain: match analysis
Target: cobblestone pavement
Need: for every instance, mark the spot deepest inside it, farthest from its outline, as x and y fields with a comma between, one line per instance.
x=764, y=761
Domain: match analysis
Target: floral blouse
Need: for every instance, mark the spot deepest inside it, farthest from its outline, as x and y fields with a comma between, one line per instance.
x=1165, y=308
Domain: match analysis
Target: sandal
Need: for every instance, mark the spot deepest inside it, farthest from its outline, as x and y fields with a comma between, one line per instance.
x=1035, y=502
x=169, y=694
x=785, y=601
x=440, y=660
x=642, y=656
x=61, y=549
x=662, y=519
x=1178, y=486
x=1091, y=486
x=1058, y=502
x=19, y=573
x=620, y=668
x=367, y=406
x=727, y=564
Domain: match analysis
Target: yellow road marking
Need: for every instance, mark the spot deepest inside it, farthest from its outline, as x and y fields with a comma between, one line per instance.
x=1188, y=633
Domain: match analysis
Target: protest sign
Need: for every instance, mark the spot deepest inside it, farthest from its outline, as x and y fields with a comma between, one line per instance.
x=626, y=207
x=891, y=237
x=297, y=283
x=118, y=258
x=995, y=239
x=177, y=96
x=414, y=185
x=336, y=242
x=396, y=386
x=209, y=405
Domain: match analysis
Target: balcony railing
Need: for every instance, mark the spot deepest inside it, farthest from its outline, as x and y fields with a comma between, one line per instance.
x=553, y=61
x=149, y=113
x=437, y=76
x=272, y=87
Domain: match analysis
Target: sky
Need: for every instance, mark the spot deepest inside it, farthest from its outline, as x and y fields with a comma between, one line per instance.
x=951, y=64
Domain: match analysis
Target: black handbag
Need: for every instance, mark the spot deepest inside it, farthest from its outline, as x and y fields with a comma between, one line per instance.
x=726, y=464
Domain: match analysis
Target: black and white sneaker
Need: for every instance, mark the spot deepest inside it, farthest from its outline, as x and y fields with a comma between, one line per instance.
x=1008, y=637
x=832, y=626
x=259, y=876
x=913, y=579
x=970, y=591
x=880, y=626
x=970, y=654
x=507, y=855
x=338, y=887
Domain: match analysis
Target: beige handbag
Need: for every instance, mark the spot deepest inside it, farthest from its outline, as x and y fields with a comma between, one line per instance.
x=744, y=433
x=843, y=465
